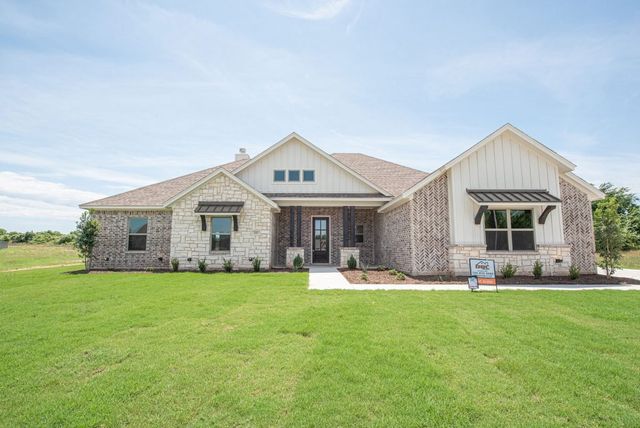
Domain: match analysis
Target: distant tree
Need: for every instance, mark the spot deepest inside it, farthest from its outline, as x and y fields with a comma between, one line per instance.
x=86, y=233
x=629, y=211
x=609, y=234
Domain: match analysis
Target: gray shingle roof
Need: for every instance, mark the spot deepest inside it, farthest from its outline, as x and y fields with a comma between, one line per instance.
x=389, y=176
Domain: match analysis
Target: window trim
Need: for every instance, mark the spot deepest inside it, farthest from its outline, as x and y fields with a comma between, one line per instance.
x=284, y=171
x=299, y=180
x=509, y=230
x=309, y=181
x=129, y=234
x=211, y=249
x=356, y=234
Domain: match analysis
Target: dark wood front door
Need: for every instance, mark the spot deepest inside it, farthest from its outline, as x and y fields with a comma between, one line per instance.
x=320, y=245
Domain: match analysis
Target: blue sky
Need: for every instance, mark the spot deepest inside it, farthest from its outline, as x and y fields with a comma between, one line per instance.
x=101, y=97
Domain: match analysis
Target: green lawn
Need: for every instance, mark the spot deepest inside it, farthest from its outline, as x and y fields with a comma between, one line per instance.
x=29, y=255
x=262, y=350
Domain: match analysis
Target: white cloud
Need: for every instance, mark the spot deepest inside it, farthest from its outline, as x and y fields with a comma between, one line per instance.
x=30, y=188
x=621, y=169
x=11, y=207
x=315, y=10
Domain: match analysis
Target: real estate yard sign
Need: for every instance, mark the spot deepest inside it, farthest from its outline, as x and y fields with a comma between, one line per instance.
x=484, y=270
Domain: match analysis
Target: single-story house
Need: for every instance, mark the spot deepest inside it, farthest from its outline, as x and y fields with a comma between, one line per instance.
x=507, y=198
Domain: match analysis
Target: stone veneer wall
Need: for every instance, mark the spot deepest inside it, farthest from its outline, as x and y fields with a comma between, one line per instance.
x=363, y=216
x=253, y=238
x=393, y=242
x=459, y=256
x=577, y=222
x=113, y=240
x=430, y=223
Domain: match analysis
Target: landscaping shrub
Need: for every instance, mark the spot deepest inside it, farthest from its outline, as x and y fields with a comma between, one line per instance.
x=537, y=269
x=574, y=272
x=175, y=264
x=382, y=268
x=508, y=270
x=393, y=272
x=297, y=263
x=256, y=264
x=227, y=265
x=400, y=276
x=202, y=265
x=364, y=276
x=352, y=263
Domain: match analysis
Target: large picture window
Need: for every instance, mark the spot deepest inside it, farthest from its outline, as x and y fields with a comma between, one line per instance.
x=137, y=234
x=220, y=233
x=509, y=230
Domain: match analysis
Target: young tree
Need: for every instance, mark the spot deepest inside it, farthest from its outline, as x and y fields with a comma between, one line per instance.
x=629, y=211
x=86, y=233
x=609, y=234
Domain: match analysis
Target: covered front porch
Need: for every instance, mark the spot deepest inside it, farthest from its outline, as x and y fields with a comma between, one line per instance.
x=324, y=235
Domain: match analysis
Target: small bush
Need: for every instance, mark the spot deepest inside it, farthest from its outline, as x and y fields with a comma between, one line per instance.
x=364, y=276
x=382, y=268
x=352, y=263
x=297, y=263
x=537, y=269
x=400, y=276
x=227, y=265
x=574, y=272
x=256, y=264
x=175, y=264
x=202, y=265
x=393, y=272
x=508, y=270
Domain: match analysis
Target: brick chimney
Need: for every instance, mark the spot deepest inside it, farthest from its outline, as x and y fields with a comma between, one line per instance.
x=242, y=155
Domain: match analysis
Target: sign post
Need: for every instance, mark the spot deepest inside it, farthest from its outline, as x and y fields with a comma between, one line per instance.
x=484, y=270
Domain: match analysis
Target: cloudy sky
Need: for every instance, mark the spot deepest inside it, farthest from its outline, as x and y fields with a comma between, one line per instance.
x=101, y=97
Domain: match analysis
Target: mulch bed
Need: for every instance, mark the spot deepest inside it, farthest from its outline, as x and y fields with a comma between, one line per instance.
x=383, y=277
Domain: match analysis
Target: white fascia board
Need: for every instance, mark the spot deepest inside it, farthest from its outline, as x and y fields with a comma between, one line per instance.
x=318, y=150
x=330, y=202
x=124, y=207
x=593, y=193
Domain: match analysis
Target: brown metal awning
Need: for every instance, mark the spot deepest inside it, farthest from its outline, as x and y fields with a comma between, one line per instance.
x=491, y=196
x=219, y=207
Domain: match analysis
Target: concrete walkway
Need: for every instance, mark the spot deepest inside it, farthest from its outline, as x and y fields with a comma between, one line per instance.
x=328, y=278
x=623, y=273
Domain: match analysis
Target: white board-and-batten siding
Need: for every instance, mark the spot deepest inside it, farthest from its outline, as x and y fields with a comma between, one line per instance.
x=506, y=162
x=329, y=177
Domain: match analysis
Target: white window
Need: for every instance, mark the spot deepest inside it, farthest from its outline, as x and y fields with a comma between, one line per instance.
x=509, y=230
x=137, y=234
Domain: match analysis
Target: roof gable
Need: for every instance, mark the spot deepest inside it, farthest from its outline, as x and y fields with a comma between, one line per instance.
x=564, y=165
x=293, y=138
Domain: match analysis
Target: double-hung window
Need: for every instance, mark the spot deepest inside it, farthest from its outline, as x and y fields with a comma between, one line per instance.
x=509, y=230
x=137, y=234
x=220, y=233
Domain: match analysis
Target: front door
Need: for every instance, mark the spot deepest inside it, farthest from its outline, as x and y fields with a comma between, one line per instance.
x=320, y=245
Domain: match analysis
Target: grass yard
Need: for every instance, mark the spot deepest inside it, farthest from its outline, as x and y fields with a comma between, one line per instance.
x=262, y=350
x=29, y=255
x=631, y=259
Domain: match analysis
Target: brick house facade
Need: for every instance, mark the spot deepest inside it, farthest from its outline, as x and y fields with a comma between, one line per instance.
x=293, y=198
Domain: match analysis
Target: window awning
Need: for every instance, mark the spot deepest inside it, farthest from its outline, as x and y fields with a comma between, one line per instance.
x=487, y=197
x=219, y=207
